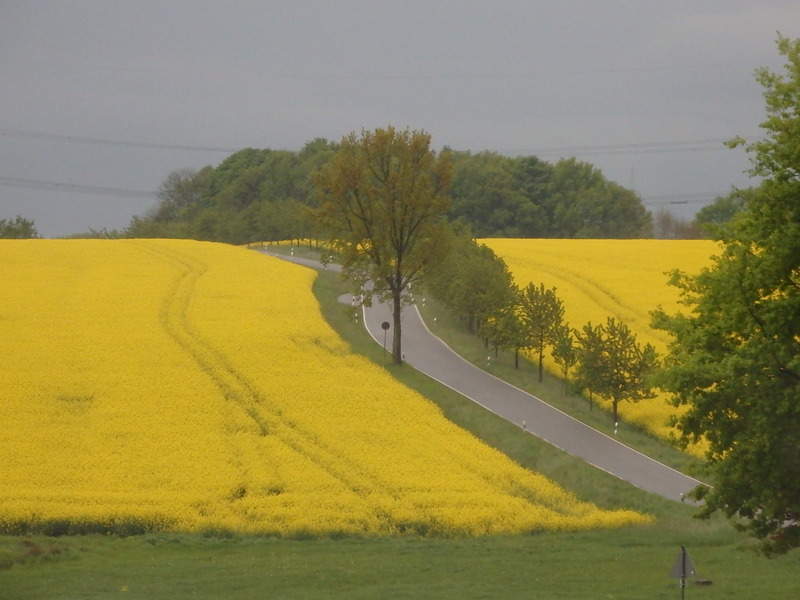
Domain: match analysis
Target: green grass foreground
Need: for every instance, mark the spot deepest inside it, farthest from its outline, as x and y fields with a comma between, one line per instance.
x=630, y=563
x=626, y=564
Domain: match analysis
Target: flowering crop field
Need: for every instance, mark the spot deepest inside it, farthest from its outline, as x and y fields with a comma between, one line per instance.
x=185, y=386
x=625, y=279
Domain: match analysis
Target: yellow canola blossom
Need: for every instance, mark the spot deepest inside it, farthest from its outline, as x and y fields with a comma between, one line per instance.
x=624, y=279
x=188, y=386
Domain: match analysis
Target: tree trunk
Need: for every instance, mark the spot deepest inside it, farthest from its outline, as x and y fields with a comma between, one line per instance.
x=541, y=364
x=516, y=358
x=614, y=405
x=397, y=351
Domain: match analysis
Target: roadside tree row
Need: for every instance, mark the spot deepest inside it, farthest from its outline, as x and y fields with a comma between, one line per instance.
x=604, y=360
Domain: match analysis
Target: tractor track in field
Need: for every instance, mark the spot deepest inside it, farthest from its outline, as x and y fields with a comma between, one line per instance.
x=235, y=386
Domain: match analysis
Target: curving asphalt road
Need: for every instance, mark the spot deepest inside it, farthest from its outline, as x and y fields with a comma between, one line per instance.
x=430, y=355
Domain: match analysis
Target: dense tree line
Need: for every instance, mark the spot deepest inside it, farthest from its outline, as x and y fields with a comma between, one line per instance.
x=526, y=197
x=262, y=195
x=251, y=195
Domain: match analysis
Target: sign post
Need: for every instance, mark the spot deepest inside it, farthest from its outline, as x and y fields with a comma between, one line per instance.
x=682, y=569
x=385, y=325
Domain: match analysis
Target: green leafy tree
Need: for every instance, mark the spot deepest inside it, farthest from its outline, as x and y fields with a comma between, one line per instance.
x=720, y=212
x=245, y=190
x=533, y=177
x=476, y=285
x=231, y=169
x=612, y=364
x=283, y=220
x=487, y=194
x=499, y=196
x=18, y=228
x=179, y=198
x=734, y=360
x=542, y=313
x=442, y=279
x=179, y=190
x=505, y=327
x=313, y=156
x=564, y=352
x=582, y=203
x=382, y=202
x=481, y=287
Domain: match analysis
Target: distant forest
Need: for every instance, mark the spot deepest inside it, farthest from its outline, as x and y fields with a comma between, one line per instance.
x=263, y=195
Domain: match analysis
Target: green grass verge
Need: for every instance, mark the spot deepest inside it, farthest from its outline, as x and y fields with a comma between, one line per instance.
x=628, y=563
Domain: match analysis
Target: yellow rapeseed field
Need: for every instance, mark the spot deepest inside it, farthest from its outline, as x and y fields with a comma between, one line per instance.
x=625, y=279
x=187, y=386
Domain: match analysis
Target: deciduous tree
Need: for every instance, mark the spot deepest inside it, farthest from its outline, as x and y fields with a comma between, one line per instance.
x=383, y=198
x=722, y=210
x=542, y=313
x=488, y=194
x=582, y=203
x=564, y=352
x=505, y=328
x=734, y=361
x=612, y=364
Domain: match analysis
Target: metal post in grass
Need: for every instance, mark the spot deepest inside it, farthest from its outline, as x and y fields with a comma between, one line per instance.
x=682, y=569
x=385, y=325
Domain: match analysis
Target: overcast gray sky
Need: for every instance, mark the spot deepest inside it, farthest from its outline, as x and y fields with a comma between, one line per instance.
x=106, y=95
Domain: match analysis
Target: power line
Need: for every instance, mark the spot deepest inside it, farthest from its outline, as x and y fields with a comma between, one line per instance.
x=681, y=198
x=707, y=144
x=53, y=137
x=55, y=186
x=261, y=75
